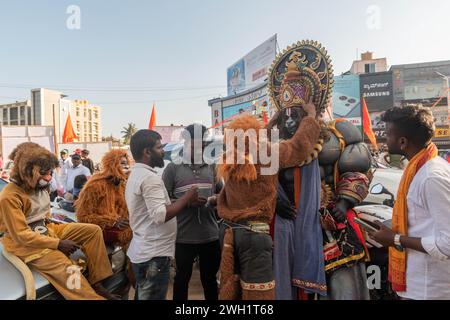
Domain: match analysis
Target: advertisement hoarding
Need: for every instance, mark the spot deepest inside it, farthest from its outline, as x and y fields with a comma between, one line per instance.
x=346, y=98
x=251, y=70
x=377, y=90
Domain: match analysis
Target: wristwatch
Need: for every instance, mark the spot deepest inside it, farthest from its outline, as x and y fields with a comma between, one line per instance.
x=397, y=243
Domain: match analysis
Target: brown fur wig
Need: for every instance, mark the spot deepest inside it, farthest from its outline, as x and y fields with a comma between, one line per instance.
x=29, y=160
x=248, y=170
x=102, y=199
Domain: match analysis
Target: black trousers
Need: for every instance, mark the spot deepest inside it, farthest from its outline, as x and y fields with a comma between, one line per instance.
x=209, y=258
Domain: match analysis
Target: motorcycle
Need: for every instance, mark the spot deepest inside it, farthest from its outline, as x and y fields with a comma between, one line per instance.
x=379, y=255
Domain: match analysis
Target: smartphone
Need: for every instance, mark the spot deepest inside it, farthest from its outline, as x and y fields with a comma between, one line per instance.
x=365, y=225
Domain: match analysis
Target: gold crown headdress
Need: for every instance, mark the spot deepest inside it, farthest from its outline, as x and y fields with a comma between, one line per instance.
x=301, y=72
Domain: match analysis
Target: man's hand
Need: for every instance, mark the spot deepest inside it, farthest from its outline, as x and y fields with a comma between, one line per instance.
x=384, y=236
x=193, y=200
x=68, y=247
x=122, y=223
x=213, y=201
x=199, y=202
x=310, y=109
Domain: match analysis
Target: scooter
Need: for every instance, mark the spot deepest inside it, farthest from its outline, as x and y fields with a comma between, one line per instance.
x=379, y=255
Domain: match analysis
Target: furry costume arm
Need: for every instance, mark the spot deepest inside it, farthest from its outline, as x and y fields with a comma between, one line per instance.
x=11, y=213
x=96, y=204
x=296, y=150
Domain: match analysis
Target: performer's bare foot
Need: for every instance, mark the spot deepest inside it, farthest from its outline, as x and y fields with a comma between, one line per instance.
x=101, y=291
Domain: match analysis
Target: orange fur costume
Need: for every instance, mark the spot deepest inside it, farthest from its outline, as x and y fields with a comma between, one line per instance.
x=247, y=204
x=102, y=199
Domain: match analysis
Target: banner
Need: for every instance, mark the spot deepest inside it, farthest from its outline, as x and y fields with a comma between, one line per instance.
x=251, y=70
x=346, y=99
x=377, y=90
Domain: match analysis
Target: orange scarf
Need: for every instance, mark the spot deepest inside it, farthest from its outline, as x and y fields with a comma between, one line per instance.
x=397, y=259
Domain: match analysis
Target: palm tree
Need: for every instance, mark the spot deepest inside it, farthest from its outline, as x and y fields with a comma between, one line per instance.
x=128, y=132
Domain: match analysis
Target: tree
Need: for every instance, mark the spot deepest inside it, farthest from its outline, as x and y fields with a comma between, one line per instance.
x=128, y=132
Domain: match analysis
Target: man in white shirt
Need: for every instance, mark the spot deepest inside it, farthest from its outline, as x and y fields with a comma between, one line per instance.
x=77, y=169
x=152, y=217
x=64, y=165
x=423, y=229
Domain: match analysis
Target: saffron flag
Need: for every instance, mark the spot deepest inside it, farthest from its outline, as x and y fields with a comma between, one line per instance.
x=69, y=134
x=367, y=124
x=152, y=121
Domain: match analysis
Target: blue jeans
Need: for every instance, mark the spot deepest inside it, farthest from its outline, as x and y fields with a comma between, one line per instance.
x=152, y=278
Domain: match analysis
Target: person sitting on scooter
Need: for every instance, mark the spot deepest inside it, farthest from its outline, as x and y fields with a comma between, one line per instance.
x=42, y=245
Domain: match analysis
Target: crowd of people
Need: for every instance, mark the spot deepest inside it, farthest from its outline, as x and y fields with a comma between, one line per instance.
x=289, y=233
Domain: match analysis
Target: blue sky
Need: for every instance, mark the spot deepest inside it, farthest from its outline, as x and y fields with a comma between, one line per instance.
x=180, y=49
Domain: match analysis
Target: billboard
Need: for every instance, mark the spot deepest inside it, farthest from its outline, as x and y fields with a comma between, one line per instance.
x=377, y=90
x=346, y=98
x=252, y=69
x=421, y=83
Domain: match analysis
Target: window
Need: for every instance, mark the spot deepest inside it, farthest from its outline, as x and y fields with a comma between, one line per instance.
x=95, y=114
x=90, y=115
x=5, y=115
x=369, y=68
x=90, y=127
x=22, y=116
x=78, y=125
x=78, y=111
x=14, y=114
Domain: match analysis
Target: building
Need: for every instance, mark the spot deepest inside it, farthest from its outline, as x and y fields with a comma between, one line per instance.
x=51, y=108
x=18, y=113
x=368, y=64
x=86, y=119
x=427, y=84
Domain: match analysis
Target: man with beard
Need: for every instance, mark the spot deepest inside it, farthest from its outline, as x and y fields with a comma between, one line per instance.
x=45, y=246
x=152, y=217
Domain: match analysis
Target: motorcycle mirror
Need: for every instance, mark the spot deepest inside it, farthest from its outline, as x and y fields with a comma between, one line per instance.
x=377, y=189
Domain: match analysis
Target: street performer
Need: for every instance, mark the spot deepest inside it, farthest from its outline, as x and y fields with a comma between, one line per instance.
x=317, y=246
x=247, y=205
x=46, y=246
x=102, y=200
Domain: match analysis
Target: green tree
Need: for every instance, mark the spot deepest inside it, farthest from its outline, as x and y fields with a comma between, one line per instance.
x=128, y=132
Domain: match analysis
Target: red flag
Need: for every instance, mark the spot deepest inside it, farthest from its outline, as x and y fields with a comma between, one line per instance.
x=152, y=121
x=367, y=124
x=69, y=134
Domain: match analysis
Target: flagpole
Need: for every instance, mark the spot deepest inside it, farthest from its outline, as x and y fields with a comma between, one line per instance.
x=362, y=118
x=54, y=132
